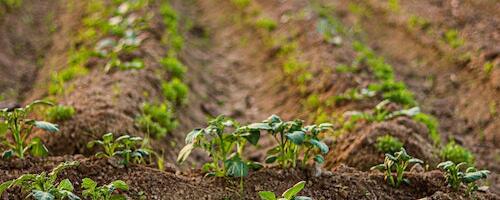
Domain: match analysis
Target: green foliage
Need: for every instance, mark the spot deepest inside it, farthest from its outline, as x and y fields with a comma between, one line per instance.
x=432, y=125
x=43, y=186
x=393, y=5
x=290, y=194
x=488, y=68
x=267, y=24
x=313, y=101
x=241, y=4
x=381, y=113
x=174, y=67
x=126, y=147
x=58, y=79
x=19, y=131
x=455, y=176
x=225, y=147
x=172, y=35
x=157, y=120
x=388, y=144
x=416, y=22
x=93, y=191
x=452, y=38
x=293, y=139
x=353, y=94
x=398, y=162
x=175, y=91
x=456, y=153
x=59, y=113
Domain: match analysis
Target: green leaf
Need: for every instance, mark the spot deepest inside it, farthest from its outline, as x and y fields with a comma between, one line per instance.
x=474, y=176
x=118, y=197
x=191, y=136
x=415, y=160
x=40, y=195
x=8, y=154
x=271, y=159
x=37, y=148
x=236, y=167
x=4, y=186
x=119, y=184
x=47, y=126
x=321, y=145
x=319, y=159
x=88, y=183
x=267, y=195
x=184, y=153
x=260, y=126
x=293, y=191
x=65, y=185
x=378, y=167
x=445, y=165
x=297, y=137
x=255, y=165
x=253, y=137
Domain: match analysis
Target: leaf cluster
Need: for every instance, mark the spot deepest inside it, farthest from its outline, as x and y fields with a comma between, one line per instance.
x=455, y=176
x=396, y=163
x=126, y=147
x=104, y=192
x=157, y=120
x=289, y=194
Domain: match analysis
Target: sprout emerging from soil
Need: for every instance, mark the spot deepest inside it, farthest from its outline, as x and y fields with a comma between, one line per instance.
x=126, y=147
x=455, y=176
x=19, y=128
x=105, y=192
x=398, y=162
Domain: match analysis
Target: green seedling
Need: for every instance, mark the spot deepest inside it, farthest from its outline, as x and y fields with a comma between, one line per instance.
x=157, y=120
x=388, y=144
x=60, y=113
x=174, y=67
x=417, y=22
x=380, y=113
x=224, y=147
x=396, y=163
x=293, y=140
x=455, y=176
x=172, y=35
x=488, y=68
x=456, y=153
x=241, y=4
x=93, y=191
x=290, y=194
x=175, y=91
x=20, y=129
x=452, y=38
x=432, y=125
x=44, y=186
x=126, y=147
x=267, y=24
x=353, y=95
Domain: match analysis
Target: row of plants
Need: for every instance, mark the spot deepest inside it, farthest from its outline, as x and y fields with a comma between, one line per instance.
x=45, y=186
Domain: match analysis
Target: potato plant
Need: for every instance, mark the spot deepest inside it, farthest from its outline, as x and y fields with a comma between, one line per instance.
x=224, y=146
x=293, y=139
x=60, y=113
x=43, y=186
x=455, y=176
x=396, y=163
x=105, y=192
x=157, y=120
x=289, y=194
x=381, y=113
x=456, y=153
x=19, y=130
x=126, y=147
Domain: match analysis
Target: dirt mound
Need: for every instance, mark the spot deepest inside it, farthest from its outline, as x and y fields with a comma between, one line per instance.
x=345, y=183
x=357, y=149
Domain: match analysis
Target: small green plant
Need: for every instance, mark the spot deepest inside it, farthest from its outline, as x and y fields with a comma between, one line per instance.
x=126, y=147
x=396, y=163
x=432, y=125
x=241, y=4
x=290, y=194
x=93, y=191
x=60, y=113
x=225, y=147
x=417, y=22
x=19, y=130
x=452, y=38
x=381, y=113
x=175, y=91
x=174, y=67
x=393, y=5
x=293, y=140
x=388, y=144
x=455, y=176
x=267, y=24
x=488, y=68
x=456, y=153
x=43, y=186
x=157, y=120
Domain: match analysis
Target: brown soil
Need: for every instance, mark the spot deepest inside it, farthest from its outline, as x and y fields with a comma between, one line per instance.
x=343, y=183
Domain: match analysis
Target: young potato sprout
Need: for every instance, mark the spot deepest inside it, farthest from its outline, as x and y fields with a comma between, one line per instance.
x=388, y=144
x=455, y=176
x=19, y=128
x=93, y=191
x=43, y=186
x=225, y=147
x=290, y=194
x=398, y=162
x=126, y=147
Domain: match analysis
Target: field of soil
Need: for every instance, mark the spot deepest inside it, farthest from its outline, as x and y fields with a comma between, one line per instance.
x=248, y=60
